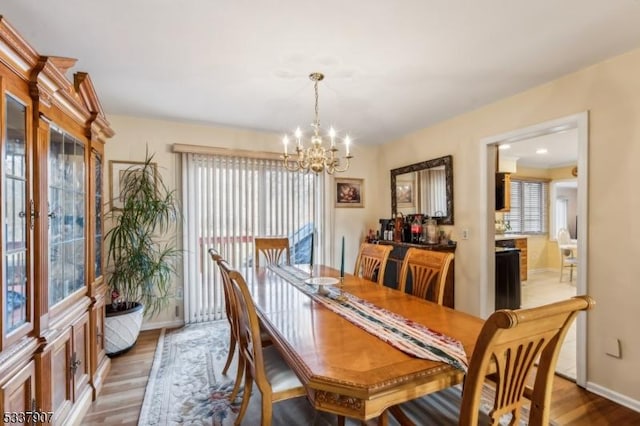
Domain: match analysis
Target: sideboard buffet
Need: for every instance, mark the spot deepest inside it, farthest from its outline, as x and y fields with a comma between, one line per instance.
x=52, y=303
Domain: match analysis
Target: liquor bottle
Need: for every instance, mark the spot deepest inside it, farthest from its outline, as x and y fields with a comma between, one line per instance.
x=416, y=229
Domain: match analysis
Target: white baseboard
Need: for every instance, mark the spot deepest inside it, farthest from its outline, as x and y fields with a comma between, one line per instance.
x=614, y=396
x=163, y=324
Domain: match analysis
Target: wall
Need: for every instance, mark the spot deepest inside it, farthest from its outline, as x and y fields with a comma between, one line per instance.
x=134, y=135
x=610, y=91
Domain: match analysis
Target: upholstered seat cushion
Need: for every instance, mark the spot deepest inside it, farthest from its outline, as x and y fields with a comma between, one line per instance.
x=443, y=408
x=279, y=374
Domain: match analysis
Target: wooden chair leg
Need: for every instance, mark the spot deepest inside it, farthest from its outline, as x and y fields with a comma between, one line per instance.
x=232, y=351
x=267, y=410
x=400, y=416
x=239, y=371
x=248, y=385
x=383, y=419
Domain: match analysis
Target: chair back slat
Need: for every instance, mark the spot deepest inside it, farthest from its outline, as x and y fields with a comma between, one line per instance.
x=272, y=248
x=372, y=261
x=508, y=346
x=428, y=271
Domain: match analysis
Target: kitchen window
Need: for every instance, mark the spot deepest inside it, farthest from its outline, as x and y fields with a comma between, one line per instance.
x=529, y=206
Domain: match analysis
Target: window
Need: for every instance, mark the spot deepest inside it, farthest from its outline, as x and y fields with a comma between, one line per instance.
x=562, y=213
x=230, y=200
x=529, y=206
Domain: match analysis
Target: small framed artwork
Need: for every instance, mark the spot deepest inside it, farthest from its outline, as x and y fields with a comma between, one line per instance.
x=349, y=192
x=117, y=172
x=405, y=196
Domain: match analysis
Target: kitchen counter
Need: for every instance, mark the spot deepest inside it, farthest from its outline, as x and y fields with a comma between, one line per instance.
x=509, y=236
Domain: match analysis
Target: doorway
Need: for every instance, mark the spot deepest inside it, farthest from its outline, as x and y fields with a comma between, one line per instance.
x=577, y=123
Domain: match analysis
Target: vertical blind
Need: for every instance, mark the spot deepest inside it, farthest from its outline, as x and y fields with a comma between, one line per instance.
x=529, y=206
x=433, y=191
x=229, y=200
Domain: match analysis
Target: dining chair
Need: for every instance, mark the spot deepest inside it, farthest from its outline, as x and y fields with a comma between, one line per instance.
x=567, y=255
x=232, y=316
x=263, y=366
x=372, y=261
x=215, y=256
x=510, y=344
x=428, y=271
x=272, y=248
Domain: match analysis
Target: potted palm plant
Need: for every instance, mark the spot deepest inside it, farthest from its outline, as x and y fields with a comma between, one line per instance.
x=141, y=261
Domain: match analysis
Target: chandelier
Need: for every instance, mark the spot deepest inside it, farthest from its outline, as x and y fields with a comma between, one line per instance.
x=316, y=157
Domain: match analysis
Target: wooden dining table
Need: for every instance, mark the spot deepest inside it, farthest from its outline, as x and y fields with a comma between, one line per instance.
x=345, y=369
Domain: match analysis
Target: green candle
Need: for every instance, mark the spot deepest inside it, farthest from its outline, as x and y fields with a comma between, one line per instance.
x=342, y=260
x=311, y=256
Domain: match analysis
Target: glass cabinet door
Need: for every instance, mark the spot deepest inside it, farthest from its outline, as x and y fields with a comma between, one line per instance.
x=97, y=163
x=16, y=208
x=67, y=200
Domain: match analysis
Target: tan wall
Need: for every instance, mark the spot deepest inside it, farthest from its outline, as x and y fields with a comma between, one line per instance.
x=610, y=91
x=133, y=135
x=537, y=252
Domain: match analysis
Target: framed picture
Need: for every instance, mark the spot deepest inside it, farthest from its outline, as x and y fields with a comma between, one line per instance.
x=405, y=196
x=349, y=192
x=117, y=170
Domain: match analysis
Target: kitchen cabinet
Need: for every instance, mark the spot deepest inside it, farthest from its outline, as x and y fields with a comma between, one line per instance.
x=503, y=192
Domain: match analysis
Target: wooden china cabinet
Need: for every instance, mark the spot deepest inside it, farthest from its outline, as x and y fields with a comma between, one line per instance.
x=52, y=303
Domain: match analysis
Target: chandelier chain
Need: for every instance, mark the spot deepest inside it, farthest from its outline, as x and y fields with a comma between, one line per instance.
x=317, y=122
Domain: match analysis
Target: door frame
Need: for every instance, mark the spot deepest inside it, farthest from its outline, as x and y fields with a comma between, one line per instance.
x=579, y=121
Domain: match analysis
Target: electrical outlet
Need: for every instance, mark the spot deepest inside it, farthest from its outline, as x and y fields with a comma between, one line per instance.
x=179, y=293
x=177, y=311
x=465, y=234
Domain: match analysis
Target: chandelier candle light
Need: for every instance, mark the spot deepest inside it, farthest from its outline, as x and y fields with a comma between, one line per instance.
x=316, y=157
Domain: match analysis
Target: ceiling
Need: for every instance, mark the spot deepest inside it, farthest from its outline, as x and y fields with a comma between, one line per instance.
x=391, y=67
x=557, y=149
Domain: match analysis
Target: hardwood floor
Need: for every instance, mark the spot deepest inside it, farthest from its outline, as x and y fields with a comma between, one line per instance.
x=121, y=397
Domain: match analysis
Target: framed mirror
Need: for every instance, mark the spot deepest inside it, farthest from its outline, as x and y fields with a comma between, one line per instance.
x=424, y=188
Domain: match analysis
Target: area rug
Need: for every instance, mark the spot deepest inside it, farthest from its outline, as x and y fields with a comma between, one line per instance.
x=186, y=387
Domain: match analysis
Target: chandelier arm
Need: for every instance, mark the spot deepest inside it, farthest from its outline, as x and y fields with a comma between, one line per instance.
x=346, y=166
x=292, y=167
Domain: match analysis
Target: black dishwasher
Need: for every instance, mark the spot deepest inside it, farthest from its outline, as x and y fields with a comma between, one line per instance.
x=507, y=278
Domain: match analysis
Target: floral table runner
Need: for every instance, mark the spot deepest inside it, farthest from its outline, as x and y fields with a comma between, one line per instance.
x=400, y=332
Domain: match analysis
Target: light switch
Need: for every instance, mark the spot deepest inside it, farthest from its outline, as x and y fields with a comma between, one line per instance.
x=612, y=347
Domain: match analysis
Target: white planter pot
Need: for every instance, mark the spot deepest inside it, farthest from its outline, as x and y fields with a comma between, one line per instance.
x=121, y=329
